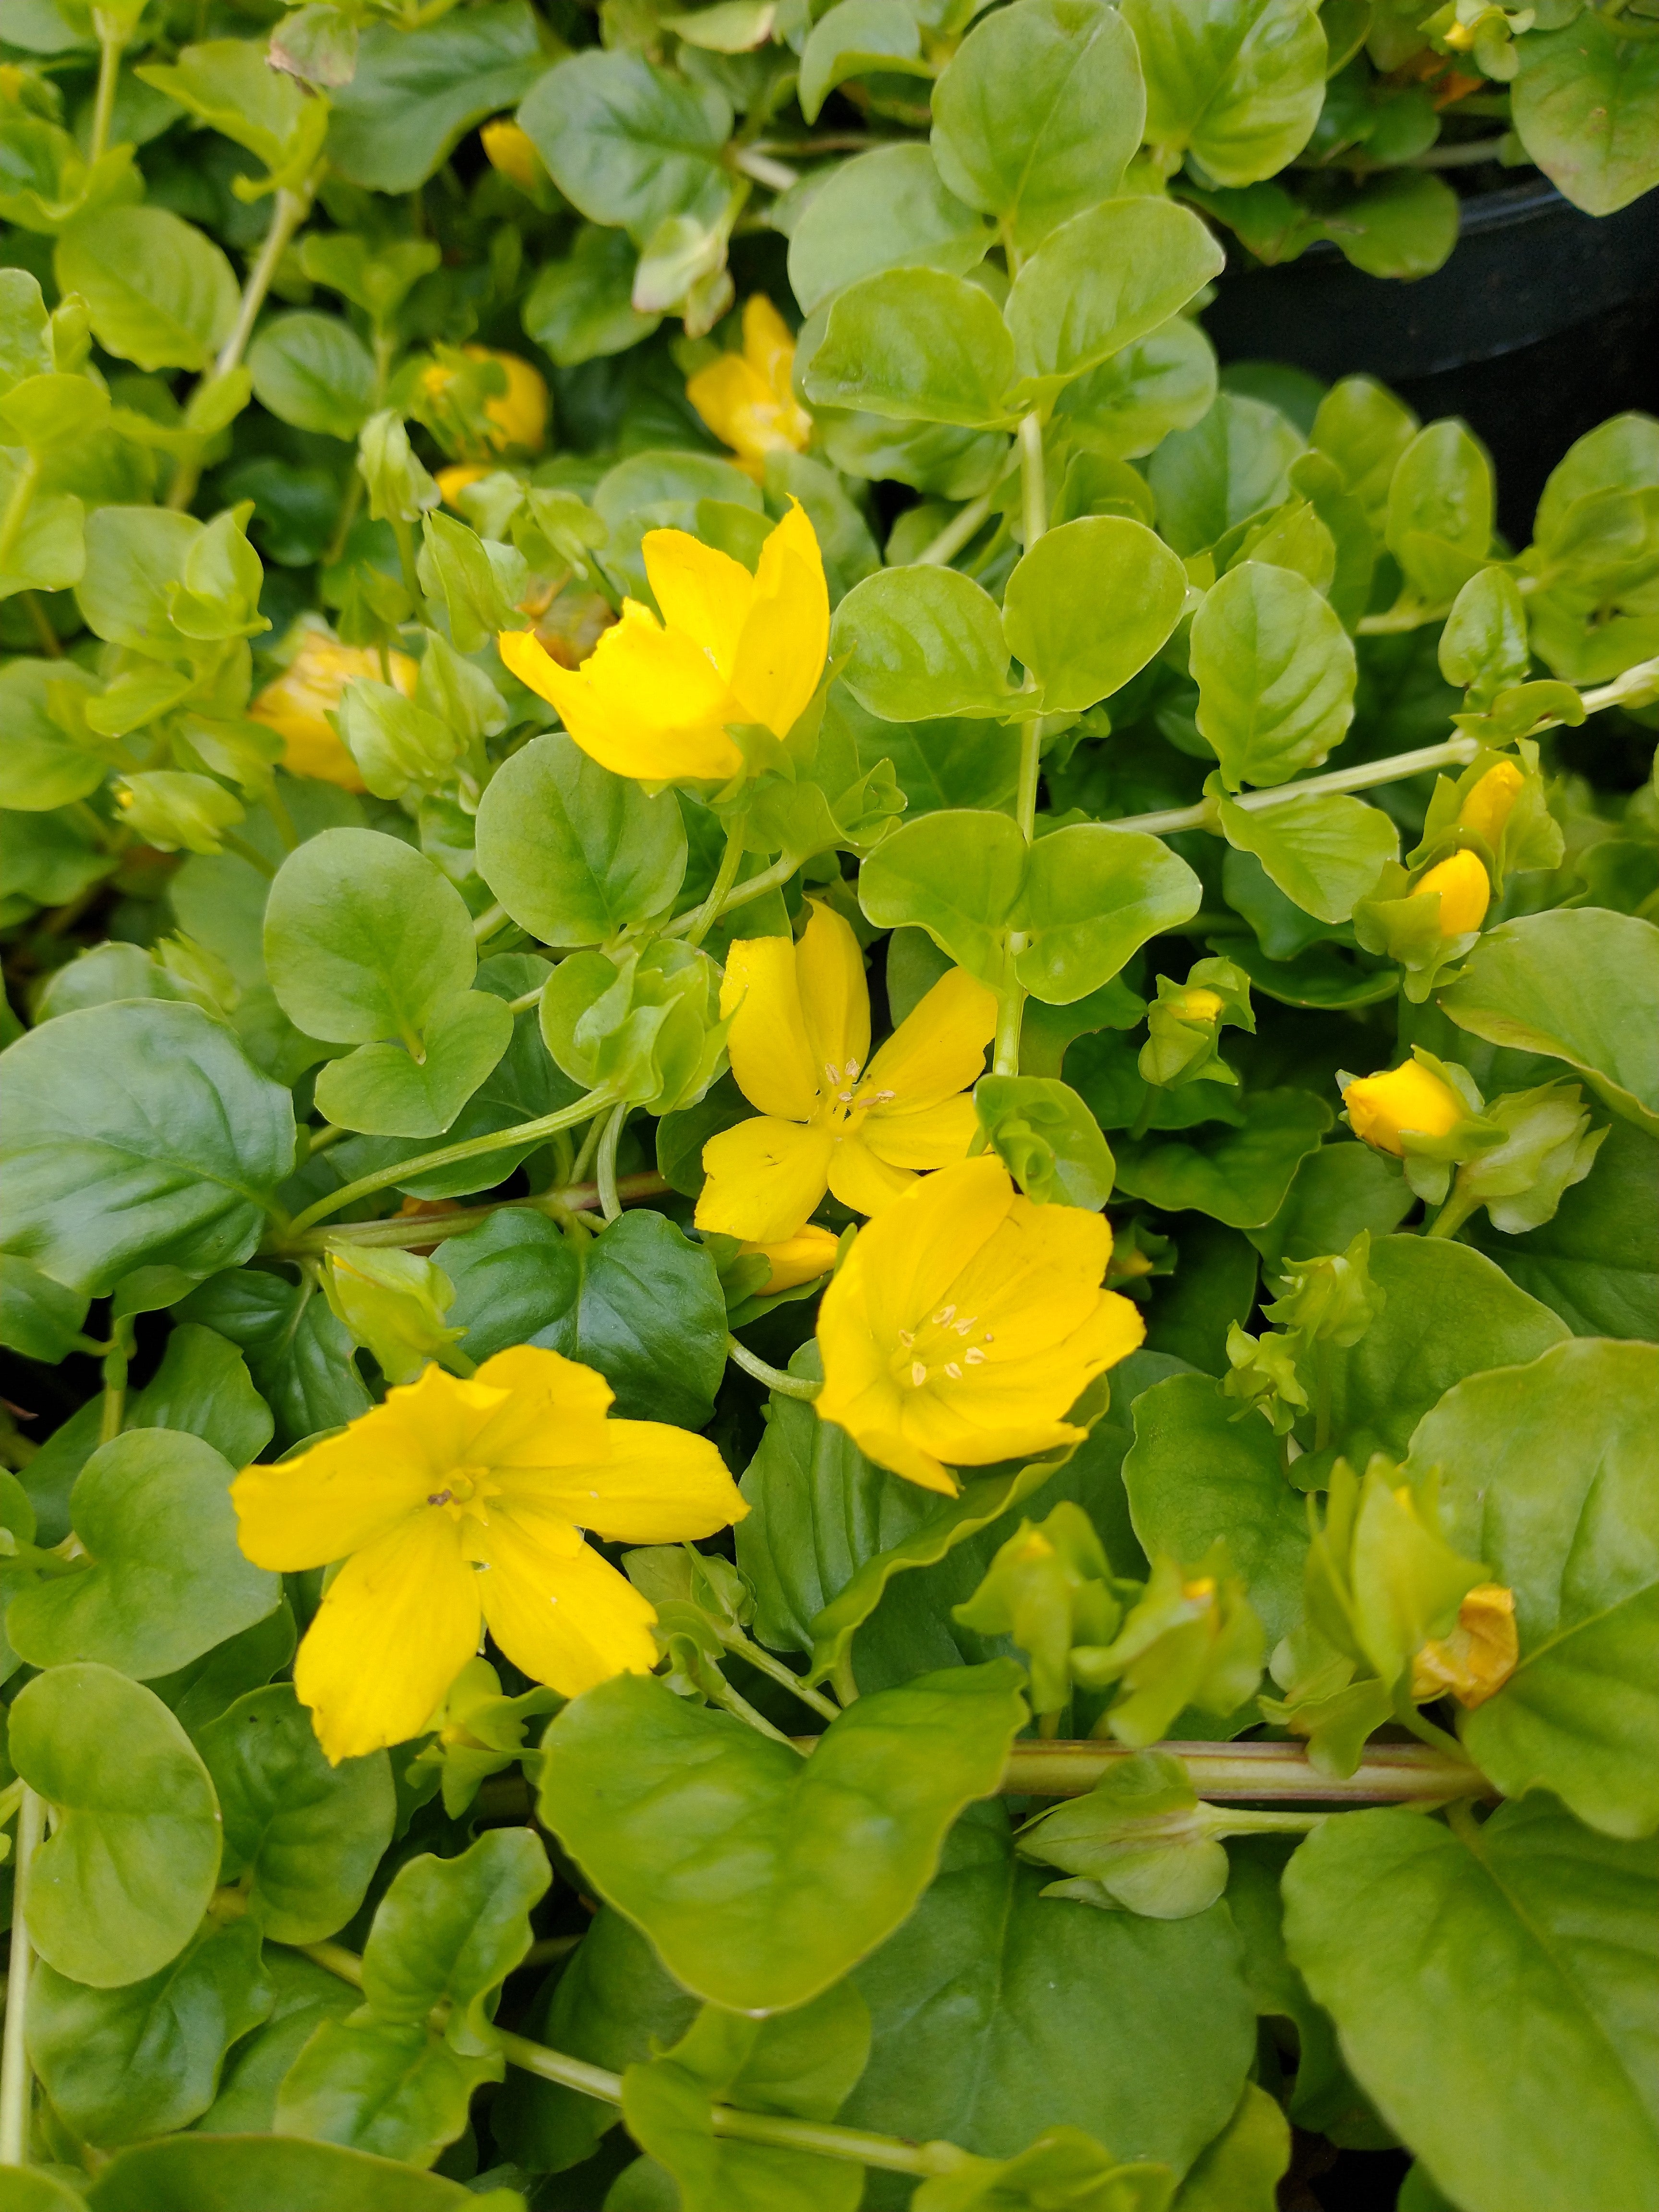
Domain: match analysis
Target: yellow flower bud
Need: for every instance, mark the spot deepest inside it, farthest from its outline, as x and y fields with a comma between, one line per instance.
x=453, y=481
x=1476, y=1661
x=794, y=1259
x=1465, y=892
x=512, y=151
x=1383, y=1108
x=309, y=689
x=1200, y=1006
x=1491, y=801
x=519, y=414
x=1460, y=38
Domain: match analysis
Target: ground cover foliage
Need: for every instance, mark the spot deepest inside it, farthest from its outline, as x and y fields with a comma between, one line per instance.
x=828, y=1134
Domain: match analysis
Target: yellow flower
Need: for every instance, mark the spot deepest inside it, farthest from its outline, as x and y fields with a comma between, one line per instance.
x=308, y=690
x=1465, y=892
x=1407, y=1099
x=795, y=1259
x=453, y=481
x=1490, y=803
x=831, y=1117
x=519, y=414
x=653, y=699
x=457, y=1502
x=1199, y=1006
x=512, y=151
x=1476, y=1661
x=966, y=1323
x=748, y=398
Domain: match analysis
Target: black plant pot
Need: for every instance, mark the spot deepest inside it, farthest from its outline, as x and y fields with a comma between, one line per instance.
x=1544, y=321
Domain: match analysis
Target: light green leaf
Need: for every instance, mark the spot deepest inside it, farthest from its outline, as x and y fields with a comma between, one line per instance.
x=1439, y=520
x=1092, y=897
x=120, y=1885
x=916, y=345
x=644, y=1791
x=384, y=1091
x=1238, y=1175
x=882, y=210
x=37, y=1317
x=1593, y=1262
x=1545, y=1474
x=314, y=371
x=582, y=308
x=1238, y=83
x=1163, y=382
x=1385, y=1906
x=1241, y=2170
x=1586, y=106
x=1324, y=852
x=305, y=1996
x=627, y=143
x=451, y=1931
x=43, y=766
x=1275, y=672
x=159, y=291
x=203, y=1386
x=1231, y=464
x=302, y=1837
x=1054, y=599
x=415, y=91
x=958, y=873
x=922, y=642
x=854, y=38
x=267, y=2174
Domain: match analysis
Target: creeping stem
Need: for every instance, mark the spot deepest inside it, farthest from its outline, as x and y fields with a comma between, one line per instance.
x=1010, y=995
x=787, y=1386
x=112, y=44
x=13, y=2052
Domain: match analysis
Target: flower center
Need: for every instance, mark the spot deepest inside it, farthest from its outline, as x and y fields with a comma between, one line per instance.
x=943, y=1349
x=844, y=1101
x=465, y=1493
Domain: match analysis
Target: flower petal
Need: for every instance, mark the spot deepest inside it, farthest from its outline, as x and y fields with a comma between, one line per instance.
x=554, y=1415
x=661, y=1486
x=938, y=1048
x=859, y=1179
x=702, y=592
x=835, y=998
x=770, y=1051
x=910, y=1255
x=925, y=1138
x=780, y=653
x=572, y=1621
x=646, y=702
x=353, y=1489
x=769, y=347
x=399, y=1622
x=740, y=407
x=765, y=1177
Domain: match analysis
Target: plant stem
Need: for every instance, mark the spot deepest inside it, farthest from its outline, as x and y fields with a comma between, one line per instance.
x=1454, y=1213
x=251, y=853
x=51, y=644
x=14, y=2078
x=1258, y=1774
x=1394, y=620
x=787, y=1386
x=487, y=923
x=115, y=1381
x=753, y=887
x=606, y=1164
x=1010, y=997
x=473, y=1148
x=112, y=44
x=764, y=1662
x=940, y=551
x=703, y=917
x=1463, y=156
x=17, y=508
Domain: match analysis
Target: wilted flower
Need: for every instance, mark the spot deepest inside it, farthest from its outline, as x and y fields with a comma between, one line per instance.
x=1475, y=1661
x=831, y=1117
x=653, y=699
x=966, y=1323
x=748, y=398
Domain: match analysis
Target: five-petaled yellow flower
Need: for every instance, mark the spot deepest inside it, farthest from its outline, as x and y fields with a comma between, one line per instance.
x=298, y=705
x=1408, y=1100
x=460, y=1502
x=831, y=1116
x=748, y=398
x=966, y=1323
x=653, y=700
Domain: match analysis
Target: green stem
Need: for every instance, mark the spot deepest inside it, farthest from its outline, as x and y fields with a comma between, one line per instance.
x=764, y=1662
x=1425, y=1731
x=703, y=918
x=112, y=44
x=1407, y=614
x=1011, y=996
x=51, y=644
x=11, y=1798
x=1143, y=1120
x=940, y=551
x=1455, y=1213
x=1464, y=155
x=1261, y=1774
x=17, y=509
x=787, y=1386
x=473, y=1148
x=606, y=1164
x=251, y=853
x=15, y=2077
x=401, y=1231
x=739, y=1706
x=1034, y=495
x=487, y=923
x=115, y=1384
x=752, y=887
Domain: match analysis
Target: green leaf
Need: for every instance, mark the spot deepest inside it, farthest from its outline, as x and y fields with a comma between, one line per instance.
x=158, y=290
x=43, y=767
x=1039, y=114
x=138, y=1135
x=1053, y=599
x=1545, y=1474
x=1092, y=898
x=231, y=86
x=364, y=938
x=302, y=1837
x=451, y=1931
x=1403, y=224
x=203, y=1386
x=921, y=642
x=882, y=210
x=958, y=873
x=998, y=2013
x=1238, y=83
x=169, y=1580
x=1593, y=1262
x=299, y=1355
x=305, y=1996
x=1275, y=672
x=1577, y=984
x=582, y=308
x=645, y=1791
x=314, y=371
x=1586, y=106
x=916, y=345
x=629, y=144
x=575, y=854
x=1100, y=281
x=1384, y=1905
x=1163, y=382
x=1231, y=464
x=120, y=1885
x=200, y=1691
x=1238, y=1175
x=1241, y=2170
x=1197, y=1473
x=854, y=38
x=37, y=1317
x=1339, y=1190
x=1063, y=2164
x=1325, y=851
x=384, y=1091
x=1439, y=520
x=415, y=92
x=269, y=2173
x=145, y=2060
x=1047, y=1138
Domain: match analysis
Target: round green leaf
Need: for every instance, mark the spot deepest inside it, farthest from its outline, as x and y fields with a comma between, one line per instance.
x=917, y=345
x=856, y=37
x=1547, y=1472
x=382, y=1090
x=1163, y=382
x=627, y=143
x=1092, y=897
x=120, y=1885
x=364, y=937
x=574, y=853
x=1275, y=672
x=314, y=371
x=451, y=1931
x=1324, y=852
x=882, y=210
x=415, y=91
x=136, y=1135
x=1051, y=608
x=1238, y=83
x=922, y=642
x=1587, y=109
x=159, y=291
x=270, y=2174
x=303, y=1837
x=1233, y=462
x=1235, y=1174
x=42, y=767
x=1485, y=1982
x=169, y=1580
x=956, y=873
